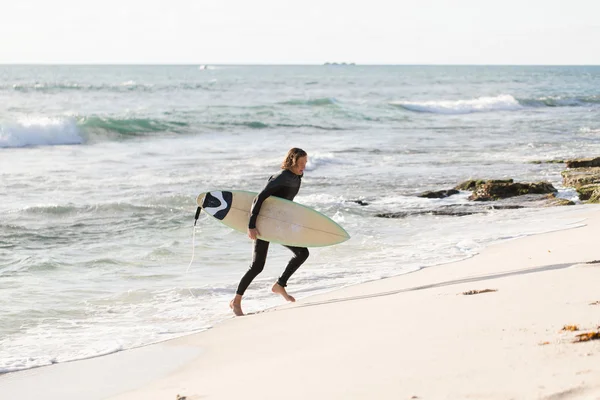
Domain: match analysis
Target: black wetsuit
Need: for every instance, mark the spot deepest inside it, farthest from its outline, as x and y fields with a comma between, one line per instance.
x=284, y=184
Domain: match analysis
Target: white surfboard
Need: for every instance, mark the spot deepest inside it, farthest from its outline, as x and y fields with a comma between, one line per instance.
x=279, y=221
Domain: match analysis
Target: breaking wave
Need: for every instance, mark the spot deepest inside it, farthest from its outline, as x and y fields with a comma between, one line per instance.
x=131, y=126
x=504, y=102
x=32, y=132
x=45, y=131
x=480, y=104
x=561, y=101
x=40, y=132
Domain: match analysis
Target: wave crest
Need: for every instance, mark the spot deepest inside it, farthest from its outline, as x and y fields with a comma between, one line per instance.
x=40, y=132
x=503, y=102
x=130, y=126
x=44, y=131
x=318, y=102
x=561, y=101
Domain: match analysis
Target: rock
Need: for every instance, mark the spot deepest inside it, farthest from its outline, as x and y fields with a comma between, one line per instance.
x=547, y=162
x=478, y=207
x=556, y=201
x=584, y=176
x=581, y=176
x=595, y=197
x=472, y=184
x=439, y=194
x=505, y=207
x=360, y=202
x=562, y=202
x=495, y=190
x=585, y=192
x=584, y=163
x=451, y=210
x=404, y=214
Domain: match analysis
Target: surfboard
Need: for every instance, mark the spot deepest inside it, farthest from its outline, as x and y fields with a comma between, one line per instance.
x=279, y=221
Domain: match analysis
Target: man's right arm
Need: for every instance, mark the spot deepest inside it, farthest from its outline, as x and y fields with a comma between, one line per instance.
x=272, y=187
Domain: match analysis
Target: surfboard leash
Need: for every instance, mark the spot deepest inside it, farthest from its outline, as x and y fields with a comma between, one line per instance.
x=194, y=237
x=193, y=244
x=193, y=248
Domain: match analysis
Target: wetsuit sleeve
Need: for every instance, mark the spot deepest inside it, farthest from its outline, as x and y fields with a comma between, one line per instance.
x=272, y=187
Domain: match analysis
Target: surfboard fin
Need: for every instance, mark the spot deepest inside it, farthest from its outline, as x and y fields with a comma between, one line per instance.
x=197, y=215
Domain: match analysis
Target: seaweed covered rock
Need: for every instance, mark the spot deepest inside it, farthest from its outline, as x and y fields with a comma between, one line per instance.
x=584, y=163
x=439, y=194
x=501, y=189
x=557, y=201
x=595, y=196
x=585, y=192
x=472, y=184
x=558, y=161
x=579, y=177
x=584, y=176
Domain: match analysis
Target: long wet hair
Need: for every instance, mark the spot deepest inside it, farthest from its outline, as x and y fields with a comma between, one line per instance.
x=291, y=159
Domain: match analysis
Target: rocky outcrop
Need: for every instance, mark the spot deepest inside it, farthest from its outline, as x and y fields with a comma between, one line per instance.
x=547, y=162
x=557, y=201
x=477, y=207
x=579, y=177
x=585, y=192
x=595, y=197
x=491, y=190
x=439, y=194
x=472, y=184
x=589, y=193
x=584, y=163
x=584, y=176
x=497, y=194
x=451, y=210
x=446, y=212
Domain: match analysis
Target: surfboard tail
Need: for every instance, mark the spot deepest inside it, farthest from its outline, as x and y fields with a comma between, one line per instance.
x=199, y=201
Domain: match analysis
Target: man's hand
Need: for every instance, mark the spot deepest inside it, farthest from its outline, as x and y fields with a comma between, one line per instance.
x=253, y=233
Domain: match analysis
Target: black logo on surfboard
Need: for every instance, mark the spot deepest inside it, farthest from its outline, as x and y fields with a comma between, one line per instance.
x=217, y=204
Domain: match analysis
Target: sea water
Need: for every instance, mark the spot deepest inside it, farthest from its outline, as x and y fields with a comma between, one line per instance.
x=100, y=167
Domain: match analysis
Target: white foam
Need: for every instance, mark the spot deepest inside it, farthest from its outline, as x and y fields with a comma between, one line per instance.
x=40, y=131
x=323, y=199
x=480, y=104
x=317, y=160
x=589, y=130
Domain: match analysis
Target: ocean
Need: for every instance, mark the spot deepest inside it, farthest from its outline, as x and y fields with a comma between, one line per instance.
x=100, y=167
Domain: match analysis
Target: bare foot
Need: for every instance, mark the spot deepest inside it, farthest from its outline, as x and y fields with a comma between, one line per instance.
x=236, y=307
x=277, y=288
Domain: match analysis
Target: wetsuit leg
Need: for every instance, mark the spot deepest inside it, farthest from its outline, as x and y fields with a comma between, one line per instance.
x=300, y=255
x=259, y=257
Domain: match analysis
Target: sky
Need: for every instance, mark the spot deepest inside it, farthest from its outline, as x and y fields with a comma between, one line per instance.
x=523, y=32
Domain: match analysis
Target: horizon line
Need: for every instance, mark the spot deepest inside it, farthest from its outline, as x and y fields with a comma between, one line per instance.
x=324, y=64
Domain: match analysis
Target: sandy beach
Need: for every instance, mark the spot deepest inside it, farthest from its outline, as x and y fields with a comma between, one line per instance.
x=415, y=336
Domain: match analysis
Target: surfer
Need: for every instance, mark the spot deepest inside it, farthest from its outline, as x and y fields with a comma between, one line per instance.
x=284, y=184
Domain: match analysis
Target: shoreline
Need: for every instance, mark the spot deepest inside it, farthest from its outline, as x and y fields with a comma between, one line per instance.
x=190, y=361
x=308, y=297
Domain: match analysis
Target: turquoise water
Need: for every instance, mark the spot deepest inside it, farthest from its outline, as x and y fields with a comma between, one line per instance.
x=100, y=167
